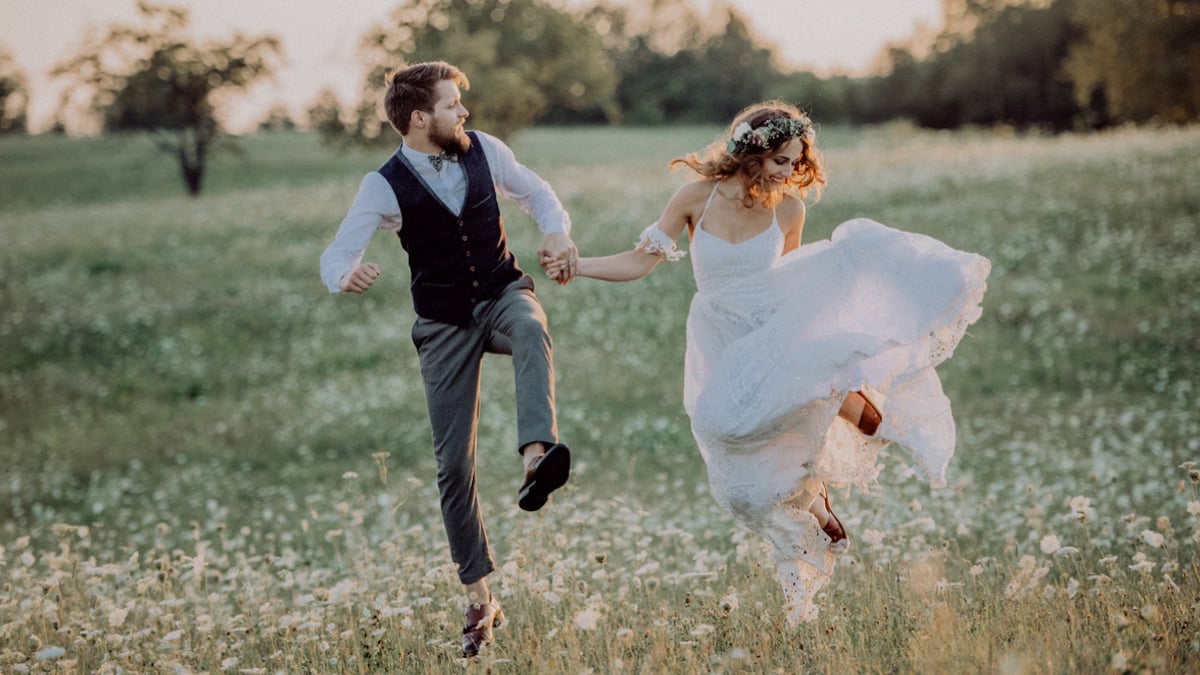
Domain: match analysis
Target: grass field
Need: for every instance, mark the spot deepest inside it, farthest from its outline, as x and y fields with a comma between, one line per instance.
x=212, y=465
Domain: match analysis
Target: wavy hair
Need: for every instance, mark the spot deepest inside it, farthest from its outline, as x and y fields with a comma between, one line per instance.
x=414, y=88
x=719, y=160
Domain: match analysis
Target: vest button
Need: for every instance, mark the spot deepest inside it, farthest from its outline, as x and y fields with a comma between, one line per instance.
x=468, y=254
x=475, y=283
x=464, y=238
x=472, y=268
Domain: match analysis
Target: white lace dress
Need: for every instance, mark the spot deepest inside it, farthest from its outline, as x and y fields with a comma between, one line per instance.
x=774, y=344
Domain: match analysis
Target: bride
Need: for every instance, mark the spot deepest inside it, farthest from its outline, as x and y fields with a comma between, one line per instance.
x=802, y=362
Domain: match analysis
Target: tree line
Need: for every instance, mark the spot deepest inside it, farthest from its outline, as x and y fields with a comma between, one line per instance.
x=1053, y=65
x=1029, y=64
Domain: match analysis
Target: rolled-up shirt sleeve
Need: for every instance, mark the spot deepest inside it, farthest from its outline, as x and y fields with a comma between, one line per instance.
x=374, y=208
x=519, y=183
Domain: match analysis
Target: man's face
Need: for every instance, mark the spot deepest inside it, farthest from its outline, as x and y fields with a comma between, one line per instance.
x=447, y=117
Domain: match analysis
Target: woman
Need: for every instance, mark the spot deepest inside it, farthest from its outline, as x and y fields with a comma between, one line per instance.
x=802, y=363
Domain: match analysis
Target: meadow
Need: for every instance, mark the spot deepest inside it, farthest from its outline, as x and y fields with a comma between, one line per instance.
x=210, y=464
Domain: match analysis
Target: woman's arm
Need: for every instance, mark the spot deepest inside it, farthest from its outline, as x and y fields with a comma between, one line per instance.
x=657, y=243
x=627, y=266
x=791, y=221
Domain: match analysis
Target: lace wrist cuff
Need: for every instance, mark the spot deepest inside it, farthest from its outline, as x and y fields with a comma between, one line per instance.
x=656, y=242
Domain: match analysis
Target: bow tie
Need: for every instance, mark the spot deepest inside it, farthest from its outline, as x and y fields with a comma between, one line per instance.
x=437, y=160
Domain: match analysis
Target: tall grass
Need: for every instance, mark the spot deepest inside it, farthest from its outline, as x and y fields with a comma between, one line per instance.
x=210, y=464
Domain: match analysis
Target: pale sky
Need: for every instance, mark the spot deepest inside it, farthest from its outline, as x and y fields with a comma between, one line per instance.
x=320, y=38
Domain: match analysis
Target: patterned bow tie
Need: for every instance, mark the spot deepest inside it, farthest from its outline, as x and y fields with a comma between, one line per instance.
x=437, y=160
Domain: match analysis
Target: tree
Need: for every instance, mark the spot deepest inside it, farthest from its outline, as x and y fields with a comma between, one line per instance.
x=978, y=73
x=278, y=119
x=14, y=98
x=526, y=56
x=1139, y=60
x=684, y=67
x=153, y=78
x=325, y=118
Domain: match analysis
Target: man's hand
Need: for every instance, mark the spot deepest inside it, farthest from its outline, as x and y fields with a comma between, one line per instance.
x=559, y=247
x=360, y=278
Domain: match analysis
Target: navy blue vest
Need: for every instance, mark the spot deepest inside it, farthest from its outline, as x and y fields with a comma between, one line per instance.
x=456, y=260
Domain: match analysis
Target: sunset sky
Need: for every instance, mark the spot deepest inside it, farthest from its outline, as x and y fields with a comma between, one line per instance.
x=320, y=38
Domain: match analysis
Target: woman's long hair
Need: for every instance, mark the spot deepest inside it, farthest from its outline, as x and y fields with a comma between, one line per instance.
x=724, y=158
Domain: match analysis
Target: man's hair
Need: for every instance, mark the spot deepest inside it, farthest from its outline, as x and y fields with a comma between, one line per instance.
x=414, y=88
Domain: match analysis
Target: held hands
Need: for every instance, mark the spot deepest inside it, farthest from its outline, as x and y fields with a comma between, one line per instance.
x=559, y=257
x=360, y=278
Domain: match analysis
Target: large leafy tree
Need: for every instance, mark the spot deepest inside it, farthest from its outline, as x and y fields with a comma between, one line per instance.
x=524, y=57
x=152, y=77
x=981, y=73
x=681, y=66
x=14, y=97
x=1139, y=59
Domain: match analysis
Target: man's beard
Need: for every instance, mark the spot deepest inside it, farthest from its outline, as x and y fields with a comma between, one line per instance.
x=455, y=141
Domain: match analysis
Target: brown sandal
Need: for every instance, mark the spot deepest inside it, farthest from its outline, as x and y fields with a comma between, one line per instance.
x=870, y=419
x=833, y=526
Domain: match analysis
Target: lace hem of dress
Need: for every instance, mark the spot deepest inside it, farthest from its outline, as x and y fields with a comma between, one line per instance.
x=656, y=242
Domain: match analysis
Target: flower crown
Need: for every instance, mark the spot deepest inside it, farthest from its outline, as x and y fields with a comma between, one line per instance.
x=746, y=137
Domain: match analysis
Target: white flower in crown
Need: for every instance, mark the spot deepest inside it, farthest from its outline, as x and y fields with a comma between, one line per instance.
x=744, y=136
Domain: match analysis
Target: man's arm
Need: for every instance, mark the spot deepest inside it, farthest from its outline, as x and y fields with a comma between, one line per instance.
x=374, y=208
x=536, y=198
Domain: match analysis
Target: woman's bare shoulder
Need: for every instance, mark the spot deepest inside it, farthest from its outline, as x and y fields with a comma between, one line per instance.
x=689, y=198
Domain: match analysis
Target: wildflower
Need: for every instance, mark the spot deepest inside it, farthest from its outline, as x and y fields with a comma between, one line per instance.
x=1081, y=509
x=350, y=475
x=1050, y=544
x=1152, y=538
x=587, y=619
x=47, y=653
x=1193, y=508
x=1066, y=550
x=1119, y=662
x=1148, y=612
x=1140, y=563
x=624, y=633
x=729, y=603
x=702, y=629
x=116, y=618
x=872, y=537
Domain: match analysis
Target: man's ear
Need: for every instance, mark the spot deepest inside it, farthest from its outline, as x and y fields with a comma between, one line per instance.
x=417, y=119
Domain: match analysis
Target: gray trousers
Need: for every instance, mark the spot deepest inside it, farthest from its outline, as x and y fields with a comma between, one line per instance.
x=451, y=359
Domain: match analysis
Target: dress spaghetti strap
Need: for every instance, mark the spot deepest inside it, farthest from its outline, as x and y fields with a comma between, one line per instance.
x=712, y=194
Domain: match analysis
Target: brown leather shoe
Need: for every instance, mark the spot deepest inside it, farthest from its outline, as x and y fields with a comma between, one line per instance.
x=477, y=633
x=547, y=473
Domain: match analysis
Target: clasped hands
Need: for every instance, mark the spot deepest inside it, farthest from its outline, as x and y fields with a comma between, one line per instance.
x=559, y=257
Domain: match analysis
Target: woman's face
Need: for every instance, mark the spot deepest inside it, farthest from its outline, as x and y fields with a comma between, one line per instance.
x=779, y=166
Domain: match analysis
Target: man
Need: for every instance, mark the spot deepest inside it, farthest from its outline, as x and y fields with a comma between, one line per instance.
x=438, y=193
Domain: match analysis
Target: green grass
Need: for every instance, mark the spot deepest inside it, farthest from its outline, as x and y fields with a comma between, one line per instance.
x=211, y=463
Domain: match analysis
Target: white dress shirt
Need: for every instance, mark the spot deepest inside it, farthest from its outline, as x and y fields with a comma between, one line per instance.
x=375, y=206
